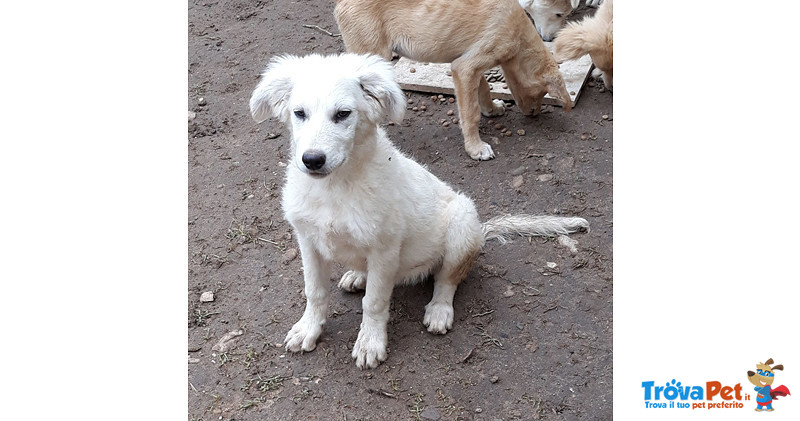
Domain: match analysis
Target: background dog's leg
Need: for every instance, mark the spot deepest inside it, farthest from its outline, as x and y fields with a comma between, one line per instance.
x=316, y=273
x=467, y=80
x=489, y=107
x=370, y=347
x=463, y=245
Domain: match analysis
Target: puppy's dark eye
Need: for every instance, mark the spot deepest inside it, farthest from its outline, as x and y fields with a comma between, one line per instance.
x=558, y=15
x=300, y=114
x=341, y=115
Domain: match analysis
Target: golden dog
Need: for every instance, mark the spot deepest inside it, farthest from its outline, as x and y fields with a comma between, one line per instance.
x=594, y=36
x=472, y=35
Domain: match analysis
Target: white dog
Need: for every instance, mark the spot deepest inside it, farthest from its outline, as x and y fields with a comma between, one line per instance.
x=353, y=198
x=549, y=15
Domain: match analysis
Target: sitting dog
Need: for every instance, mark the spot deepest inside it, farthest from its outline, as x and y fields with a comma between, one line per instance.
x=353, y=198
x=473, y=36
x=549, y=15
x=594, y=36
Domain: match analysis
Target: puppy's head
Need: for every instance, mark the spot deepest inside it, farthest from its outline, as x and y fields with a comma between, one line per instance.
x=548, y=15
x=328, y=102
x=764, y=374
x=530, y=82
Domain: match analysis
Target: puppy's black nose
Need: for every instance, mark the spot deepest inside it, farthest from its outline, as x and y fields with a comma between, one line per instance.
x=313, y=160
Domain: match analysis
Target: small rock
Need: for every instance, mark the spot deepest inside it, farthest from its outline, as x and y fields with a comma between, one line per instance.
x=451, y=100
x=569, y=243
x=207, y=297
x=272, y=135
x=478, y=410
x=194, y=360
x=450, y=112
x=605, y=116
x=433, y=98
x=227, y=342
x=494, y=379
x=201, y=101
x=551, y=265
x=584, y=137
x=519, y=170
x=509, y=293
x=446, y=124
x=455, y=121
x=545, y=177
x=410, y=101
x=415, y=109
x=412, y=70
x=423, y=107
x=521, y=132
x=495, y=140
x=192, y=115
x=517, y=181
x=499, y=127
x=430, y=413
x=289, y=255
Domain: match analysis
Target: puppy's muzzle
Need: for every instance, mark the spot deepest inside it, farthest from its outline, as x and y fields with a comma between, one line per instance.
x=314, y=160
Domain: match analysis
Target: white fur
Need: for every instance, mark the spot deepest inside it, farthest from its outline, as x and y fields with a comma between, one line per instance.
x=549, y=15
x=372, y=209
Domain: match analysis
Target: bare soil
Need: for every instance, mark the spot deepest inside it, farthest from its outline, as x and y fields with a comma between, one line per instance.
x=532, y=338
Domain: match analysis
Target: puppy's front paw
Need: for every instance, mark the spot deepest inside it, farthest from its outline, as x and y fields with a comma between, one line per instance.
x=483, y=152
x=353, y=281
x=438, y=317
x=498, y=109
x=303, y=336
x=370, y=348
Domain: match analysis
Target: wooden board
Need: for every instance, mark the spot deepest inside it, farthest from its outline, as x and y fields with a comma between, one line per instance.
x=435, y=78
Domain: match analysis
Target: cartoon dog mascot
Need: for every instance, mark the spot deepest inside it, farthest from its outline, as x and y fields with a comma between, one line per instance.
x=763, y=378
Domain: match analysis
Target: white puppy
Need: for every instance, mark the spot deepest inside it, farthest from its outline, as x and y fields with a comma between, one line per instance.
x=548, y=15
x=353, y=198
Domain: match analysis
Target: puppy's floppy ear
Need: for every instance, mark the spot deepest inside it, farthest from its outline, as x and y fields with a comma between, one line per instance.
x=272, y=93
x=558, y=90
x=383, y=95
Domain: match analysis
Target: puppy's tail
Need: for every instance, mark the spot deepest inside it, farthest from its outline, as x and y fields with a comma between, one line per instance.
x=502, y=228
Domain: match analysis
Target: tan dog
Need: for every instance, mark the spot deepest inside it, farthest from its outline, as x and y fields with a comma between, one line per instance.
x=594, y=36
x=472, y=35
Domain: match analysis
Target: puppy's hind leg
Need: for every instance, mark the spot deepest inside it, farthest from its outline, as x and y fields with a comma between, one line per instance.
x=353, y=280
x=463, y=244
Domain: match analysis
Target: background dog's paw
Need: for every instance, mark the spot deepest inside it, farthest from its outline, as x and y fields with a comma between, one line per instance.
x=483, y=152
x=353, y=281
x=303, y=336
x=498, y=109
x=370, y=349
x=438, y=317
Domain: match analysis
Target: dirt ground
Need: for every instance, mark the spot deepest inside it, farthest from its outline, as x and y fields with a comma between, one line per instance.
x=532, y=337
